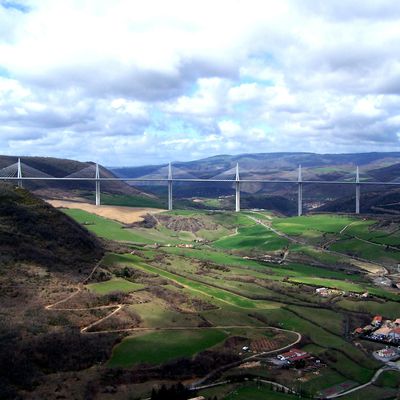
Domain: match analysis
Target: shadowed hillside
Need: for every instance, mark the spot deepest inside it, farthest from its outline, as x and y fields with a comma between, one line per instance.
x=43, y=256
x=33, y=231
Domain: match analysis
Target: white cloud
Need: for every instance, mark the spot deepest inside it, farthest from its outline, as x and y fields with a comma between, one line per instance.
x=161, y=80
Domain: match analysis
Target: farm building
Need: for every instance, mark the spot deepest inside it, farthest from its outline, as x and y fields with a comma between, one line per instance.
x=293, y=355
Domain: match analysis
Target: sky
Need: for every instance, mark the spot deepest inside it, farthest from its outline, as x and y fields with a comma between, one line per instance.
x=127, y=82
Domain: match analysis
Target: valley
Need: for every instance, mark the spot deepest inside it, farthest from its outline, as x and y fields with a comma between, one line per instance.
x=190, y=291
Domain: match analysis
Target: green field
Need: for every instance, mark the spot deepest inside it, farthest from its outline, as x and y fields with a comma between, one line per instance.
x=253, y=237
x=159, y=347
x=130, y=200
x=114, y=285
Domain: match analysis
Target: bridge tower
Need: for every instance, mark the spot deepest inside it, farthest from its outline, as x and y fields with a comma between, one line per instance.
x=170, y=205
x=299, y=193
x=358, y=186
x=98, y=195
x=19, y=173
x=237, y=189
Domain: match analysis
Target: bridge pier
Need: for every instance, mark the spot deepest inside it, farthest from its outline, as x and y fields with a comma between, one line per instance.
x=299, y=193
x=237, y=190
x=358, y=187
x=98, y=194
x=170, y=204
x=19, y=173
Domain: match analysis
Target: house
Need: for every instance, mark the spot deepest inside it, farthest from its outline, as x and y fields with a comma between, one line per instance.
x=387, y=353
x=397, y=321
x=293, y=355
x=394, y=334
x=383, y=331
x=377, y=320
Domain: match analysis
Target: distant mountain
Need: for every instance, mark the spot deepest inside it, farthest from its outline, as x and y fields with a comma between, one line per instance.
x=60, y=168
x=277, y=166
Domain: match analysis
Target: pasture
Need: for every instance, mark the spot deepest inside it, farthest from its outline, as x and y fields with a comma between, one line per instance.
x=159, y=347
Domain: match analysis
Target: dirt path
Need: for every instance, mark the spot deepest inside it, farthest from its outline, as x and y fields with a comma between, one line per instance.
x=125, y=215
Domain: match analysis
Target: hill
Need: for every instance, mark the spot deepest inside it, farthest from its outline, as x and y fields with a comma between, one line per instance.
x=43, y=255
x=61, y=168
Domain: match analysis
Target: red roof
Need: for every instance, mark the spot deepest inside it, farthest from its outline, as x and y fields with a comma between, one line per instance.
x=294, y=354
x=377, y=318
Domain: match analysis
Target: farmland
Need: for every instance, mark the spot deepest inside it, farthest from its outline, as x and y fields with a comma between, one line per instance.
x=199, y=286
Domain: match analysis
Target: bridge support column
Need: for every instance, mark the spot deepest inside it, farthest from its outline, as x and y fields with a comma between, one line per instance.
x=19, y=173
x=358, y=187
x=300, y=194
x=237, y=190
x=170, y=204
x=98, y=194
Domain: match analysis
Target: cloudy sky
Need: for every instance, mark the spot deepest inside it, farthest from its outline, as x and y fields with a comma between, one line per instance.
x=126, y=82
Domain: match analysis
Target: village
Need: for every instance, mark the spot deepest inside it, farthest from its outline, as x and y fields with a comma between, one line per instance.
x=382, y=331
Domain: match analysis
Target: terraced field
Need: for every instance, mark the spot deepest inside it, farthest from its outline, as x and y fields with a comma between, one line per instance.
x=190, y=292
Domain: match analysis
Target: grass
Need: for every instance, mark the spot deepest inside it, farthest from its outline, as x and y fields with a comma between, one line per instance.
x=388, y=309
x=366, y=250
x=328, y=319
x=371, y=393
x=226, y=289
x=256, y=392
x=253, y=237
x=389, y=379
x=301, y=226
x=130, y=201
x=159, y=347
x=331, y=283
x=220, y=294
x=327, y=379
x=114, y=285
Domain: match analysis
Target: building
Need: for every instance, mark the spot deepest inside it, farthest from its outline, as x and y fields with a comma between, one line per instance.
x=394, y=334
x=293, y=355
x=377, y=320
x=386, y=354
x=384, y=330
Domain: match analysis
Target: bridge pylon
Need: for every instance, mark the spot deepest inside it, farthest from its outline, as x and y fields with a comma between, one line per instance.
x=299, y=193
x=170, y=204
x=98, y=194
x=237, y=189
x=358, y=187
x=19, y=173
